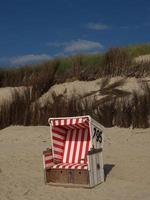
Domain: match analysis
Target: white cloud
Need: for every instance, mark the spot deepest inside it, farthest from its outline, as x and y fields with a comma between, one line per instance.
x=81, y=45
x=76, y=46
x=97, y=26
x=27, y=59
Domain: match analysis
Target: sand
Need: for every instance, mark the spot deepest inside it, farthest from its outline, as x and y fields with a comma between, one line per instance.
x=143, y=58
x=126, y=159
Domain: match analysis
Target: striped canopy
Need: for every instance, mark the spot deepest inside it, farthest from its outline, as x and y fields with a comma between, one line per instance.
x=70, y=123
x=70, y=140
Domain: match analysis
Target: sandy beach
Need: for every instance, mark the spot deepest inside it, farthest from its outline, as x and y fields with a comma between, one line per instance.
x=126, y=159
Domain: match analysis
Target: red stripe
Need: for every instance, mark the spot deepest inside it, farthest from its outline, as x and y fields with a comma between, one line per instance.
x=86, y=122
x=58, y=165
x=48, y=154
x=58, y=139
x=66, y=127
x=58, y=146
x=82, y=167
x=77, y=121
x=65, y=122
x=65, y=166
x=69, y=146
x=48, y=161
x=58, y=132
x=71, y=126
x=75, y=146
x=70, y=165
x=81, y=145
x=54, y=121
x=57, y=159
x=62, y=128
x=58, y=153
x=77, y=166
x=70, y=122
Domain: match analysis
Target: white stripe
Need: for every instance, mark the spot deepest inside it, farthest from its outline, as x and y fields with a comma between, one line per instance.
x=73, y=167
x=62, y=122
x=48, y=158
x=68, y=121
x=80, y=120
x=78, y=145
x=57, y=156
x=66, y=127
x=66, y=146
x=84, y=144
x=58, y=142
x=85, y=167
x=72, y=146
x=81, y=125
x=54, y=167
x=76, y=126
x=74, y=121
x=71, y=126
x=58, y=136
x=56, y=122
x=58, y=149
x=48, y=165
x=79, y=167
x=61, y=166
x=59, y=130
x=66, y=167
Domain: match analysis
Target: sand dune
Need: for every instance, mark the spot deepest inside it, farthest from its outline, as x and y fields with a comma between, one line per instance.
x=126, y=159
x=6, y=93
x=74, y=88
x=85, y=87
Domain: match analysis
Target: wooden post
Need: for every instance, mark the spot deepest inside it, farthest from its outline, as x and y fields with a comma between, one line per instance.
x=95, y=167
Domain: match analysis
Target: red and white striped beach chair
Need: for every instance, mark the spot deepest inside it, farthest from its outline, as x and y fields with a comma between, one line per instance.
x=75, y=156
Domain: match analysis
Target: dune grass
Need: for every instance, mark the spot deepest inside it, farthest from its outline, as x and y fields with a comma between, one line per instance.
x=115, y=62
x=137, y=50
x=114, y=109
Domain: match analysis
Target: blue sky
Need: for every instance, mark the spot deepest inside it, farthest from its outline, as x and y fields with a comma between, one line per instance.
x=36, y=30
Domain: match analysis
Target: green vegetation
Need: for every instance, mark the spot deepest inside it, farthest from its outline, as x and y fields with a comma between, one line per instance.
x=137, y=50
x=115, y=62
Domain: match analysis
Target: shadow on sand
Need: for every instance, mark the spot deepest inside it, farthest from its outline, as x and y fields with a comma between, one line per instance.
x=107, y=169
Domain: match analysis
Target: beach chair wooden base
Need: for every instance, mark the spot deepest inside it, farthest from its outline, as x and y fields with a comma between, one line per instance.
x=78, y=177
x=67, y=176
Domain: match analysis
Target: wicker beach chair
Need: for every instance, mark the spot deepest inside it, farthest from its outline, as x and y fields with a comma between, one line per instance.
x=75, y=157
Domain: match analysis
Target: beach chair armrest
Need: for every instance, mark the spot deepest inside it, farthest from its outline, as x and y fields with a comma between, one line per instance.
x=94, y=151
x=47, y=151
x=48, y=158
